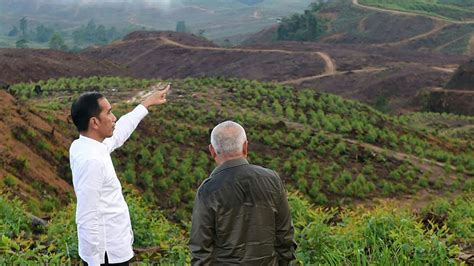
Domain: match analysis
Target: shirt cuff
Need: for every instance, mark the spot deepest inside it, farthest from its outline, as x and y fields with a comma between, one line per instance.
x=142, y=109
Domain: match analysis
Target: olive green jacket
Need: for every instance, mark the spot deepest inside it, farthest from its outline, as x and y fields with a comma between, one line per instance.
x=241, y=216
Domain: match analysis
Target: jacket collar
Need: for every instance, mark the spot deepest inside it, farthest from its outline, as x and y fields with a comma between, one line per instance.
x=229, y=164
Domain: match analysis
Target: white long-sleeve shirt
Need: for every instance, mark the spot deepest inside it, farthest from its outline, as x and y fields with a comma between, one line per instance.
x=102, y=216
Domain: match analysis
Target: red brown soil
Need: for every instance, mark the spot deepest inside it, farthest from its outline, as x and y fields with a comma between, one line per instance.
x=42, y=169
x=168, y=55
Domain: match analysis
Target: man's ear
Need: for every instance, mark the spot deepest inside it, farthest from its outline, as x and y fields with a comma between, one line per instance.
x=245, y=148
x=93, y=123
x=212, y=151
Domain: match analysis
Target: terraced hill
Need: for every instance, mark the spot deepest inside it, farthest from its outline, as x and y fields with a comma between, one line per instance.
x=335, y=152
x=378, y=24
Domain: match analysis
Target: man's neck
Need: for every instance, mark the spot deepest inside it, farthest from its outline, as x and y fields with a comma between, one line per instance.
x=224, y=158
x=92, y=135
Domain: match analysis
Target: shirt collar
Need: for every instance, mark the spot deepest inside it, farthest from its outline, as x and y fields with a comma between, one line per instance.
x=92, y=141
x=229, y=164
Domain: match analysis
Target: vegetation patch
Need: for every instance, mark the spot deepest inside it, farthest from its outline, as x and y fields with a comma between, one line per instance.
x=333, y=152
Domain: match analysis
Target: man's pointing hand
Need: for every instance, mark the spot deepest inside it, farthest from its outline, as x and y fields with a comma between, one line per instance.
x=157, y=96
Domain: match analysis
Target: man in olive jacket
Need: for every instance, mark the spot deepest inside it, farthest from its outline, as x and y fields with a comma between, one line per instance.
x=241, y=213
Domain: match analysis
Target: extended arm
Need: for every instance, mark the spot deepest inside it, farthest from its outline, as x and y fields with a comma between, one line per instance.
x=129, y=122
x=125, y=127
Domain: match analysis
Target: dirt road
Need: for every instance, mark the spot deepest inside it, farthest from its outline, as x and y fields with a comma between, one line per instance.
x=329, y=68
x=357, y=71
x=405, y=13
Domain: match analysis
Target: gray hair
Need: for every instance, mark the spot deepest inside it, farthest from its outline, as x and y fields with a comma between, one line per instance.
x=228, y=137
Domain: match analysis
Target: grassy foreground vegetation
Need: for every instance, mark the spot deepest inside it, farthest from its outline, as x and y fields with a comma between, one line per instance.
x=385, y=235
x=455, y=10
x=330, y=152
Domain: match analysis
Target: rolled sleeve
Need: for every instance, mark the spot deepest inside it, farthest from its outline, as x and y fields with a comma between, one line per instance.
x=88, y=192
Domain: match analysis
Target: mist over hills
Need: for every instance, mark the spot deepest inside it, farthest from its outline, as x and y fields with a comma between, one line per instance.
x=217, y=20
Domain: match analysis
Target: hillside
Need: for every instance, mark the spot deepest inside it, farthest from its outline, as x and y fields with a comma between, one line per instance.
x=351, y=22
x=335, y=152
x=34, y=154
x=396, y=76
x=20, y=65
x=456, y=11
x=359, y=139
x=171, y=55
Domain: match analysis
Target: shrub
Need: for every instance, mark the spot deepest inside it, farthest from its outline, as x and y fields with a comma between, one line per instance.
x=9, y=181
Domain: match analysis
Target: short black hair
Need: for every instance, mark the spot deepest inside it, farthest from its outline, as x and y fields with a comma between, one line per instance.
x=85, y=107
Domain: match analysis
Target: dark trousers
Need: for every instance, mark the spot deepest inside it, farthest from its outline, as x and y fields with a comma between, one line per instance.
x=111, y=264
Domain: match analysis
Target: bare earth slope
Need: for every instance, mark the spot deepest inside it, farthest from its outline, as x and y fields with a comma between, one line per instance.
x=40, y=167
x=171, y=55
x=353, y=71
x=19, y=65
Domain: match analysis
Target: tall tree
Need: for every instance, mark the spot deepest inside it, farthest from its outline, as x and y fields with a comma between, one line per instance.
x=181, y=26
x=24, y=26
x=57, y=43
x=100, y=35
x=43, y=34
x=13, y=32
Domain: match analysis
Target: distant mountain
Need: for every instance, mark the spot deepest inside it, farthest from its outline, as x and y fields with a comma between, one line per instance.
x=349, y=22
x=251, y=2
x=214, y=19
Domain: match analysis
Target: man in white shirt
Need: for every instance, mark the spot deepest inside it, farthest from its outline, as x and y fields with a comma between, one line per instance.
x=102, y=217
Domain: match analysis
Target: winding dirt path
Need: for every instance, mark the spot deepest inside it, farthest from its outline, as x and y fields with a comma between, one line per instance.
x=329, y=68
x=441, y=47
x=406, y=13
x=439, y=26
x=437, y=89
x=357, y=71
x=445, y=69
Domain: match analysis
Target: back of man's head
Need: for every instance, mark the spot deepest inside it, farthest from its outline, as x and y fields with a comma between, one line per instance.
x=85, y=107
x=228, y=138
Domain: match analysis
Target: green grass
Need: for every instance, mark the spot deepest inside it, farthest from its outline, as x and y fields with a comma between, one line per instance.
x=443, y=9
x=385, y=234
